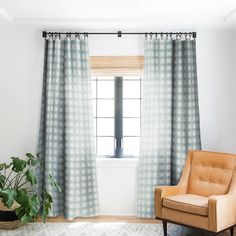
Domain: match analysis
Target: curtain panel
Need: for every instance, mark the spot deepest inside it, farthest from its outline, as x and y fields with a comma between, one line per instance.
x=66, y=132
x=170, y=115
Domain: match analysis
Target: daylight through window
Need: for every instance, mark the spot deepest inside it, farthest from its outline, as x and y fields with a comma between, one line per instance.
x=117, y=115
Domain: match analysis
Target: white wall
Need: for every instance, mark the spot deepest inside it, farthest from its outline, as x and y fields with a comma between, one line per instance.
x=216, y=54
x=21, y=60
x=21, y=55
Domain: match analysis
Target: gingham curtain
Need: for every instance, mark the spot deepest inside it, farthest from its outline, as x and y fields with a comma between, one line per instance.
x=170, y=116
x=66, y=132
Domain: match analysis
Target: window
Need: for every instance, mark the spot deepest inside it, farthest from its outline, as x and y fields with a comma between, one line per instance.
x=117, y=115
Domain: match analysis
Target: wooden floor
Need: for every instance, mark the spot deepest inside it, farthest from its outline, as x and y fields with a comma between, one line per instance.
x=128, y=219
x=173, y=230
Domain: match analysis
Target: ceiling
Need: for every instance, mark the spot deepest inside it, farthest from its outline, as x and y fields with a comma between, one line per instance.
x=97, y=15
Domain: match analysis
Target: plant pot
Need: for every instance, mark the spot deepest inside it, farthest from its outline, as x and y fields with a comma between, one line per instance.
x=8, y=218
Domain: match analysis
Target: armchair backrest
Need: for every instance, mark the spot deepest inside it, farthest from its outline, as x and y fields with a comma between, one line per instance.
x=210, y=173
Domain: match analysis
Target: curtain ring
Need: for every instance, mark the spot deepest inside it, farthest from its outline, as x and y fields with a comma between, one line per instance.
x=156, y=36
x=85, y=35
x=146, y=35
x=151, y=35
x=161, y=36
x=77, y=36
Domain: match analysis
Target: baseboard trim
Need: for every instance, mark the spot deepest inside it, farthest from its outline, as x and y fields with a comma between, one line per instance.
x=118, y=210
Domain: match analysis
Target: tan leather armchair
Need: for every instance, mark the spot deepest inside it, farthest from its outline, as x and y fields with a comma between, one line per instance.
x=205, y=196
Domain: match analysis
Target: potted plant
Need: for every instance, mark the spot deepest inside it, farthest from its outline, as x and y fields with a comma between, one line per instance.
x=20, y=202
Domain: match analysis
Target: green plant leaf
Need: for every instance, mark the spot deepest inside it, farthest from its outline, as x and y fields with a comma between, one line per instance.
x=30, y=176
x=44, y=214
x=19, y=212
x=22, y=197
x=26, y=218
x=18, y=164
x=4, y=166
x=2, y=181
x=32, y=160
x=34, y=206
x=54, y=183
x=47, y=202
x=30, y=155
x=29, y=208
x=39, y=159
x=8, y=197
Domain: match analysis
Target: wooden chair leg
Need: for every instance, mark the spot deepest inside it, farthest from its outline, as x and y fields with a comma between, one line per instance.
x=164, y=224
x=232, y=231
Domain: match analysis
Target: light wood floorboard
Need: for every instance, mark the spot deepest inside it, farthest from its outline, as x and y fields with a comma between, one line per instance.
x=128, y=219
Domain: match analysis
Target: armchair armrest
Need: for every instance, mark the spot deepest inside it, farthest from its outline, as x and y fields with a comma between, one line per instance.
x=221, y=211
x=222, y=208
x=164, y=191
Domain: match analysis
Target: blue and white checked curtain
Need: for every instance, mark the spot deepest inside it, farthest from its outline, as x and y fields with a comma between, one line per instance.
x=170, y=115
x=66, y=132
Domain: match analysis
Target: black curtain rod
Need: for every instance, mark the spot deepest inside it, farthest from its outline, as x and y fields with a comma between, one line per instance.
x=119, y=33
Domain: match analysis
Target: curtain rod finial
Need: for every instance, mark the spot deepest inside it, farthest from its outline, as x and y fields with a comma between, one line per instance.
x=44, y=33
x=194, y=35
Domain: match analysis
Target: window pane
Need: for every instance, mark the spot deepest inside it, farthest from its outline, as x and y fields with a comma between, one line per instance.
x=105, y=126
x=131, y=146
x=131, y=89
x=131, y=108
x=105, y=146
x=94, y=108
x=105, y=108
x=105, y=89
x=131, y=126
x=94, y=126
x=93, y=89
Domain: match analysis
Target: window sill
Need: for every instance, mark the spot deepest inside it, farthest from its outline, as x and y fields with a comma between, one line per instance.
x=105, y=162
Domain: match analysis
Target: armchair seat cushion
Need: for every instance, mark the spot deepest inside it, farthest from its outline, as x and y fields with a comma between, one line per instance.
x=190, y=203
